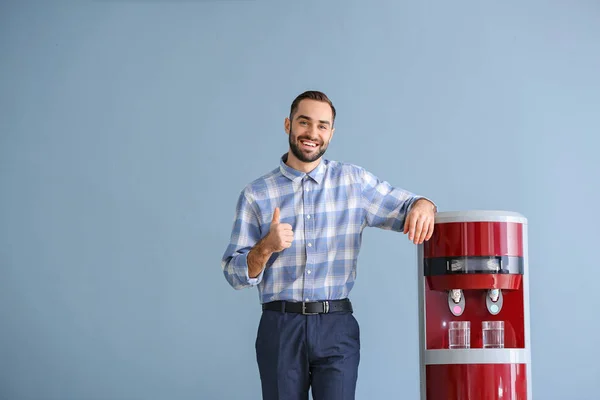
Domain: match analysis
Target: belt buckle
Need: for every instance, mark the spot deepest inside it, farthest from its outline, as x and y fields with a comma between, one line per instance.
x=325, y=309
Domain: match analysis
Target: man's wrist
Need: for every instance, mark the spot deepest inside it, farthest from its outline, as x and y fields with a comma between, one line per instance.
x=263, y=249
x=424, y=200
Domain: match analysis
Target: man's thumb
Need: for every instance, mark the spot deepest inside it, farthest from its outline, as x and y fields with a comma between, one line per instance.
x=276, y=216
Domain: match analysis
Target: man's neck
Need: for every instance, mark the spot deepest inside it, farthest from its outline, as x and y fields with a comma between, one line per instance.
x=301, y=166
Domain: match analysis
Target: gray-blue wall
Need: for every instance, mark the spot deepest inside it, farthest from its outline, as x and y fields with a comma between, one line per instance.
x=128, y=128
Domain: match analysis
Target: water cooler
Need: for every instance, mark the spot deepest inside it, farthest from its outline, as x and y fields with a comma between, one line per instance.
x=474, y=308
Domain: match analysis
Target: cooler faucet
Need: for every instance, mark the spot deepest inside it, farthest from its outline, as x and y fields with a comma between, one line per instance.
x=456, y=301
x=494, y=294
x=456, y=295
x=494, y=301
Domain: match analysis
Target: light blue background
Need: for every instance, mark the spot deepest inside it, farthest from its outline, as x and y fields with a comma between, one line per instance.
x=128, y=129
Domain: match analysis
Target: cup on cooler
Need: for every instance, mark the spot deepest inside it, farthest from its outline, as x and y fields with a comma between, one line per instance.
x=493, y=334
x=459, y=335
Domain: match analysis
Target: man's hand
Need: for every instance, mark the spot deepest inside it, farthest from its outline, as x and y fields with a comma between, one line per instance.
x=419, y=222
x=280, y=237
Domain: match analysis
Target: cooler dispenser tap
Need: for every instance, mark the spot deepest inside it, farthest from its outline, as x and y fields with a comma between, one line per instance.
x=494, y=301
x=456, y=302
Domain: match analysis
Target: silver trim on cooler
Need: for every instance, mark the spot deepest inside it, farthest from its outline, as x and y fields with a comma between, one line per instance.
x=526, y=310
x=422, y=322
x=480, y=216
x=477, y=356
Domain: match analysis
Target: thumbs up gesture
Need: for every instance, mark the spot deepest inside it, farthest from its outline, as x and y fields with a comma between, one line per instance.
x=280, y=235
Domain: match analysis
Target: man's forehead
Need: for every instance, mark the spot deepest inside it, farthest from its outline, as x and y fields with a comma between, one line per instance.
x=314, y=109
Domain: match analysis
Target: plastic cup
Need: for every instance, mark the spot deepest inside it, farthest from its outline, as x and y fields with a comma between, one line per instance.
x=493, y=334
x=459, y=335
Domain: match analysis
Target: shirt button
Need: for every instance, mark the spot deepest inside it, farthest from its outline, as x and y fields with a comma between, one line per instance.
x=308, y=272
x=308, y=217
x=306, y=299
x=310, y=245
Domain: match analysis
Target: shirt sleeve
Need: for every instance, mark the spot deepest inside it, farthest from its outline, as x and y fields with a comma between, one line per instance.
x=385, y=206
x=244, y=235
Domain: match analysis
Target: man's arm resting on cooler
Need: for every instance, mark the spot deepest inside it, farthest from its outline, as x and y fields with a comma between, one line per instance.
x=387, y=207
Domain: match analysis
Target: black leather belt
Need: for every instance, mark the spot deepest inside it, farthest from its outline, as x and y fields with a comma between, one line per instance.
x=309, y=307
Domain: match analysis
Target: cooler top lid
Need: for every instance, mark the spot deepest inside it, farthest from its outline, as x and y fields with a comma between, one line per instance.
x=479, y=216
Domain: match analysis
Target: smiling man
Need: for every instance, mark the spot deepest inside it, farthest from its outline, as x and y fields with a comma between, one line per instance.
x=296, y=236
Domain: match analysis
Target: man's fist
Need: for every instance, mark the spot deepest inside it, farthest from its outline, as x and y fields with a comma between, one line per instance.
x=280, y=235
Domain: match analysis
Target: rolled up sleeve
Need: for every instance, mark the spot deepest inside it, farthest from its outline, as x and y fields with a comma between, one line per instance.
x=385, y=206
x=244, y=235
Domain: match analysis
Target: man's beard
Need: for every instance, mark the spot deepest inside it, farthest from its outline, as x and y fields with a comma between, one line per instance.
x=300, y=155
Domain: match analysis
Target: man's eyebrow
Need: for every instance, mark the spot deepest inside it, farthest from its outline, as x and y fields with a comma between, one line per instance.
x=310, y=119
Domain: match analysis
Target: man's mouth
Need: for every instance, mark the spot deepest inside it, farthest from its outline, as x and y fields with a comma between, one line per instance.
x=309, y=144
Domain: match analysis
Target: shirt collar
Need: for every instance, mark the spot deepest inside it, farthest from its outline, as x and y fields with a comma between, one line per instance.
x=294, y=175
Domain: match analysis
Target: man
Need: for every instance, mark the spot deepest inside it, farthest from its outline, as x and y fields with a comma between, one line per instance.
x=296, y=236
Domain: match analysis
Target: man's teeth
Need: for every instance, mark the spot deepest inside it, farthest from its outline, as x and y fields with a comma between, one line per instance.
x=309, y=144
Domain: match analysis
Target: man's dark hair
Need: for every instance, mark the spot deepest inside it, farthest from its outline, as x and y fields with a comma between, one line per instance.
x=311, y=95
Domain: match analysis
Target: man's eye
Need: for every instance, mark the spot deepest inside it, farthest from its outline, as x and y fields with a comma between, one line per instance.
x=322, y=127
x=302, y=122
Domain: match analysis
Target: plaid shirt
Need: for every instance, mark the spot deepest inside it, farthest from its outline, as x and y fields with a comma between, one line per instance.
x=328, y=209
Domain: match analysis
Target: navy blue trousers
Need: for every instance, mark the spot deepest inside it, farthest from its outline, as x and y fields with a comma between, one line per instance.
x=297, y=353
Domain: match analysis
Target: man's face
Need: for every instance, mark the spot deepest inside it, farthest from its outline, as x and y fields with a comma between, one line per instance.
x=311, y=130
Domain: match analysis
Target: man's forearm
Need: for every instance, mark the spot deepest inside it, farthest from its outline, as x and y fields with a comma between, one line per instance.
x=257, y=258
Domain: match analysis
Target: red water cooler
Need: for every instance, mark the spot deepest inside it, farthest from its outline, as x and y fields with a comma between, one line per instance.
x=474, y=308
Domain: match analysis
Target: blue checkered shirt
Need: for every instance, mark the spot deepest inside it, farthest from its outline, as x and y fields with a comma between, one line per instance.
x=328, y=209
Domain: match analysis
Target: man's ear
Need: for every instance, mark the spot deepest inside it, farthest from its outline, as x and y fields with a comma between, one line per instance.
x=286, y=125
